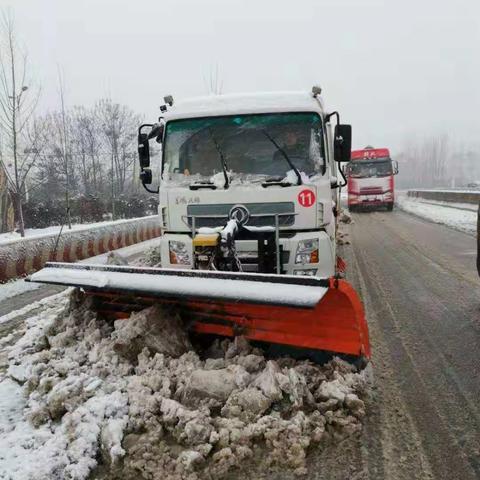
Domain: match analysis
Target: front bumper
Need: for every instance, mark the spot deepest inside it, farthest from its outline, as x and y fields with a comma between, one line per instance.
x=370, y=200
x=247, y=252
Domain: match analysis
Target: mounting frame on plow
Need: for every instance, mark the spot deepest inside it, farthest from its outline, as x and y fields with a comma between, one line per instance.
x=303, y=312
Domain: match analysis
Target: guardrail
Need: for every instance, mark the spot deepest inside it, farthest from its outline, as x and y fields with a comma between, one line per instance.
x=20, y=258
x=455, y=196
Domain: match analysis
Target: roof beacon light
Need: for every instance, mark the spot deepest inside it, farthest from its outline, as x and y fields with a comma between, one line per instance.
x=316, y=90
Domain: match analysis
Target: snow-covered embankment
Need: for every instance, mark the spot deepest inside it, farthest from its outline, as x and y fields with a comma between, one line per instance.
x=460, y=216
x=19, y=258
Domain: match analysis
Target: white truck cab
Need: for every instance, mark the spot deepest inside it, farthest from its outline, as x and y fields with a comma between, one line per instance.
x=265, y=161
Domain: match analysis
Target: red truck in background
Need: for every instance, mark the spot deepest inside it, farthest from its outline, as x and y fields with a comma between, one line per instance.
x=370, y=179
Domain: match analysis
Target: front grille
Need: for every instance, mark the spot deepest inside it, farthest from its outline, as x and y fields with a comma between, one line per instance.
x=249, y=260
x=261, y=214
x=371, y=191
x=251, y=257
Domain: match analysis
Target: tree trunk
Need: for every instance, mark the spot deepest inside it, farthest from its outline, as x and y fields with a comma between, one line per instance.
x=17, y=205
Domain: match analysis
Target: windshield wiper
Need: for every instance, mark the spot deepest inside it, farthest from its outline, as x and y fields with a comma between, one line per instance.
x=279, y=181
x=202, y=184
x=222, y=158
x=280, y=149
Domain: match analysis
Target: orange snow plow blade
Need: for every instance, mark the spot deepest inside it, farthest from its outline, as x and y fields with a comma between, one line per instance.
x=302, y=312
x=336, y=324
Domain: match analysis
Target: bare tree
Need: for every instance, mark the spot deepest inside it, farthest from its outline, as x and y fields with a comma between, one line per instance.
x=86, y=146
x=48, y=167
x=119, y=125
x=425, y=162
x=16, y=110
x=65, y=145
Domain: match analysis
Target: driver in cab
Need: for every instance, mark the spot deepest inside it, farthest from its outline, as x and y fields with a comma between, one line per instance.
x=297, y=151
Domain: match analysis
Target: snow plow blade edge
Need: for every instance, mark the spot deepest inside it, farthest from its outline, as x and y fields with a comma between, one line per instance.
x=302, y=312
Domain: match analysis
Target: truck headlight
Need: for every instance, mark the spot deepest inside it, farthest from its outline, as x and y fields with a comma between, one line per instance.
x=307, y=251
x=306, y=272
x=178, y=253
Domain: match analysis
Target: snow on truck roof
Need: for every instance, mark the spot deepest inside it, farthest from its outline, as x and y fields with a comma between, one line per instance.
x=244, y=103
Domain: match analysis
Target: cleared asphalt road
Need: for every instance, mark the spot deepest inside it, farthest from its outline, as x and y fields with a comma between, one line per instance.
x=422, y=296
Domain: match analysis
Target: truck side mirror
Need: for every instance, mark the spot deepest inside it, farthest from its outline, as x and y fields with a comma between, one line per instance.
x=342, y=144
x=143, y=150
x=146, y=176
x=144, y=153
x=157, y=132
x=395, y=167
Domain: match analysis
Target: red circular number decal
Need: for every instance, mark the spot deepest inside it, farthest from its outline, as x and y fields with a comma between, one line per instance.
x=306, y=198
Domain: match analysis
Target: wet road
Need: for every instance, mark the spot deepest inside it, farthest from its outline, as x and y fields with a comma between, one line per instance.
x=421, y=292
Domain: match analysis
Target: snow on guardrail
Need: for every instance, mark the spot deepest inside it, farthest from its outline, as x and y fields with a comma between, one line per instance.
x=454, y=196
x=20, y=258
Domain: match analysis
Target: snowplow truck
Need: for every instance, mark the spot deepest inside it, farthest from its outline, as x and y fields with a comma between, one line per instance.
x=248, y=198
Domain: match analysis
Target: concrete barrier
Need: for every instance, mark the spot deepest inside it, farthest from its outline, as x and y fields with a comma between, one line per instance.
x=22, y=257
x=455, y=196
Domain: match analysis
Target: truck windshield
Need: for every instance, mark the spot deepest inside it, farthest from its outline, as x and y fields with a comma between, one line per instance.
x=243, y=140
x=360, y=169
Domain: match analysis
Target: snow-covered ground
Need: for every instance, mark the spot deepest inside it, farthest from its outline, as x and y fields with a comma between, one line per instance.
x=16, y=287
x=9, y=237
x=135, y=397
x=460, y=216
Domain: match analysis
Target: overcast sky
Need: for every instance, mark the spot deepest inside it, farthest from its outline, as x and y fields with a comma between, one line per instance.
x=392, y=68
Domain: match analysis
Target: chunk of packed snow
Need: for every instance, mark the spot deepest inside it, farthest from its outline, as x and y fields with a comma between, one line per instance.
x=291, y=177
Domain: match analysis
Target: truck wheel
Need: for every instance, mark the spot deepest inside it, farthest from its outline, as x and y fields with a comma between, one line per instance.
x=389, y=207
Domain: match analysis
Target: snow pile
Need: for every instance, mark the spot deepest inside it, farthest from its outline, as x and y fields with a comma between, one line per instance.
x=134, y=399
x=114, y=258
x=291, y=177
x=342, y=238
x=345, y=216
x=452, y=215
x=152, y=257
x=219, y=179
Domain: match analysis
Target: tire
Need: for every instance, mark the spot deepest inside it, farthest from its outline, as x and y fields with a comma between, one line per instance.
x=389, y=207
